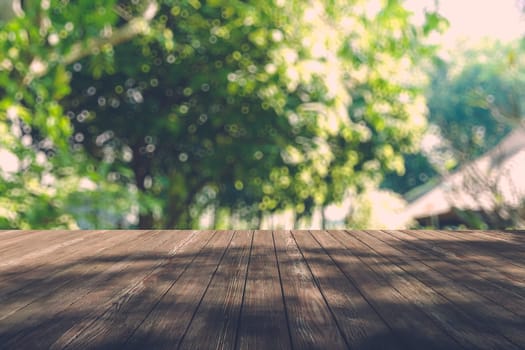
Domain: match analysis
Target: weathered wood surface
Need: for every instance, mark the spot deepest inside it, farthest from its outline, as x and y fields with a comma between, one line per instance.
x=262, y=289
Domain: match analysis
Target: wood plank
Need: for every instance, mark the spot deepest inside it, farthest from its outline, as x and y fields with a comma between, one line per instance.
x=505, y=235
x=166, y=325
x=514, y=235
x=511, y=251
x=217, y=319
x=43, y=322
x=490, y=284
x=110, y=326
x=282, y=289
x=31, y=244
x=479, y=312
x=310, y=319
x=17, y=270
x=482, y=264
x=26, y=300
x=395, y=307
x=447, y=317
x=8, y=236
x=53, y=274
x=33, y=236
x=263, y=323
x=361, y=325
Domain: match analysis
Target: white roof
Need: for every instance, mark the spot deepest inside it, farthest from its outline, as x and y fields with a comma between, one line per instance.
x=496, y=177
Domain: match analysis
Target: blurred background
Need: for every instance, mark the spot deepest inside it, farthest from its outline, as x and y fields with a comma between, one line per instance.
x=262, y=114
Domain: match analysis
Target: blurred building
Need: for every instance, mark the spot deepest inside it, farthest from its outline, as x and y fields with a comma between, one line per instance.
x=490, y=189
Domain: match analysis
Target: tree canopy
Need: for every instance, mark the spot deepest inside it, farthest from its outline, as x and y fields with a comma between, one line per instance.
x=170, y=107
x=476, y=98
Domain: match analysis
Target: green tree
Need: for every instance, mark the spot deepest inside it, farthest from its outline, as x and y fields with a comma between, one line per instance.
x=474, y=99
x=265, y=106
x=418, y=171
x=38, y=41
x=456, y=106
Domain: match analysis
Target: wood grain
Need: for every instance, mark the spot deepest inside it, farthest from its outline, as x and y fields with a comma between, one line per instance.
x=167, y=323
x=216, y=321
x=310, y=318
x=262, y=289
x=489, y=283
x=21, y=287
x=108, y=277
x=6, y=235
x=446, y=316
x=361, y=325
x=487, y=265
x=477, y=311
x=111, y=325
x=35, y=245
x=263, y=323
x=396, y=308
x=509, y=251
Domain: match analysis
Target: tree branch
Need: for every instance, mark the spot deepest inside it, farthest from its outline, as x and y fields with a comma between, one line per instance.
x=10, y=9
x=136, y=26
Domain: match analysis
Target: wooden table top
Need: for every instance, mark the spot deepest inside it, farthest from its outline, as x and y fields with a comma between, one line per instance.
x=262, y=289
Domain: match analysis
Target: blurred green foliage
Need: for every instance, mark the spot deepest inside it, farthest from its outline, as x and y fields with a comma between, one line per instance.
x=166, y=108
x=418, y=172
x=476, y=98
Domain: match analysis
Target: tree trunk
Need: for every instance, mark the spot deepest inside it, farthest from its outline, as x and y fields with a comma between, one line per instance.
x=141, y=169
x=9, y=9
x=260, y=218
x=323, y=218
x=175, y=215
x=145, y=221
